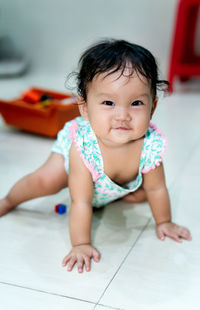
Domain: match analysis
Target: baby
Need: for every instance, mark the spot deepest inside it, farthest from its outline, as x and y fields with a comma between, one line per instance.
x=111, y=151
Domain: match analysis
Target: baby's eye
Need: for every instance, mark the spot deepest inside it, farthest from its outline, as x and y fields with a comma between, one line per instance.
x=136, y=103
x=109, y=103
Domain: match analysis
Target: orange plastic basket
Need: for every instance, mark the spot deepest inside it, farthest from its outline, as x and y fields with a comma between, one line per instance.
x=35, y=118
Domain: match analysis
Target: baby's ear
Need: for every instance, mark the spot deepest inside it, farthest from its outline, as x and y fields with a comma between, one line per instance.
x=154, y=105
x=82, y=105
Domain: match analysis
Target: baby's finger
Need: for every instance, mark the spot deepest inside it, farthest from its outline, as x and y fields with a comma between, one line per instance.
x=80, y=264
x=185, y=233
x=96, y=255
x=176, y=237
x=65, y=260
x=160, y=235
x=71, y=263
x=87, y=263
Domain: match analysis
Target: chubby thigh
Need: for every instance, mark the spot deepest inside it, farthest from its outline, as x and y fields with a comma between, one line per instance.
x=54, y=173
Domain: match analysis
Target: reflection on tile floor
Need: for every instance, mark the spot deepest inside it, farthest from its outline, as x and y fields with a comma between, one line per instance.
x=136, y=271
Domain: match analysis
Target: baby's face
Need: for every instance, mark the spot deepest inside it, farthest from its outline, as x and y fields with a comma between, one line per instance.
x=119, y=108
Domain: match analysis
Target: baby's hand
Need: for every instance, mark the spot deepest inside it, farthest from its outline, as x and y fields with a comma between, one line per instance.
x=173, y=231
x=81, y=255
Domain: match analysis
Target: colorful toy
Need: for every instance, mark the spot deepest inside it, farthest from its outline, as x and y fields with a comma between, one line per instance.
x=31, y=96
x=60, y=208
x=45, y=101
x=40, y=111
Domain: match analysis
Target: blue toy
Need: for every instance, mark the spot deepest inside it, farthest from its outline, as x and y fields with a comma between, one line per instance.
x=60, y=208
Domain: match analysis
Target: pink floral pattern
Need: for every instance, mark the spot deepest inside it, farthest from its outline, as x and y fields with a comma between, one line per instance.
x=105, y=190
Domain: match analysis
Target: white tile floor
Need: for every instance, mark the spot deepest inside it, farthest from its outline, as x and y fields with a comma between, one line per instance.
x=136, y=271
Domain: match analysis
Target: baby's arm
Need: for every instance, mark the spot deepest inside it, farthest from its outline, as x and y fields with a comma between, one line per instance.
x=158, y=198
x=80, y=221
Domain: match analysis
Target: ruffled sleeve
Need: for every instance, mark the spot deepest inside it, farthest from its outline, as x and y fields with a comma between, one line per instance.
x=154, y=148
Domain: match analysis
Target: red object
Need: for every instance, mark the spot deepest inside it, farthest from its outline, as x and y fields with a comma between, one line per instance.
x=37, y=119
x=184, y=62
x=56, y=208
x=32, y=96
x=60, y=208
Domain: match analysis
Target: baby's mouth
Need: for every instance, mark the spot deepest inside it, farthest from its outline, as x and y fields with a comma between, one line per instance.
x=122, y=128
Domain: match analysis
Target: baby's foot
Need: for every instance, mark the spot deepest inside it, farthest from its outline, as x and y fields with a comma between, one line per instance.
x=5, y=206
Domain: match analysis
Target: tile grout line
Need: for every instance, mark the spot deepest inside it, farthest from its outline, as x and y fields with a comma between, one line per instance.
x=124, y=259
x=46, y=292
x=97, y=303
x=109, y=307
x=54, y=294
x=170, y=186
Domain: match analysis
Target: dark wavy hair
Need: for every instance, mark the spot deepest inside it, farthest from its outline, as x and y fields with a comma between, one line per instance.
x=112, y=55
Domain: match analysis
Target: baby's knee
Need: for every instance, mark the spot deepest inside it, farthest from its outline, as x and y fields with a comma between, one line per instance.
x=48, y=182
x=43, y=183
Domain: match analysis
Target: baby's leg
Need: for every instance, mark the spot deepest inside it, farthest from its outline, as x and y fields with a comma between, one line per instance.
x=137, y=196
x=49, y=179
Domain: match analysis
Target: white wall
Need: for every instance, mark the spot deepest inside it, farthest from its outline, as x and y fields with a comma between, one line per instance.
x=53, y=33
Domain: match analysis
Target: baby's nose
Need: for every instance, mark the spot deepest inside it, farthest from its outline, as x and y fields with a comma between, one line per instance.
x=122, y=114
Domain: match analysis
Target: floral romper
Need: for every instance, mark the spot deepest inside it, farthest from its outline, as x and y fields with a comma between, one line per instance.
x=105, y=190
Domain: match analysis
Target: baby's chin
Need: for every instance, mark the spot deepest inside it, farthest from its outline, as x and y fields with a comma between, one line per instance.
x=117, y=138
x=124, y=132
x=120, y=138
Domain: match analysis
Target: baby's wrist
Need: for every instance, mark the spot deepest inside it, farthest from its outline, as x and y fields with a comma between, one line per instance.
x=74, y=245
x=163, y=222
